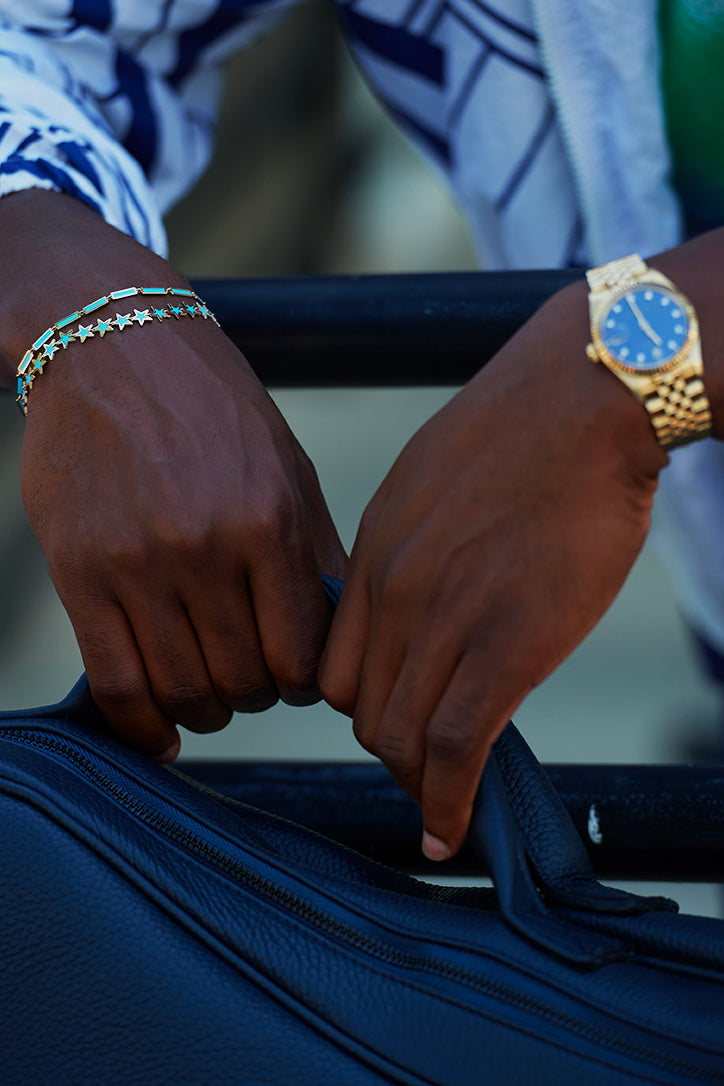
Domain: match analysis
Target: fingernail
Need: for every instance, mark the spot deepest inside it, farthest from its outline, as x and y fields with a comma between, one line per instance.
x=171, y=754
x=434, y=848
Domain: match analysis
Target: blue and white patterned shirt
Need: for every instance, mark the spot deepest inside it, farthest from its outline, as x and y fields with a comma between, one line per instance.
x=114, y=101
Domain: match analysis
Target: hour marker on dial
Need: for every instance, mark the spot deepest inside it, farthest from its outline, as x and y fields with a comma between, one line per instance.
x=679, y=328
x=640, y=357
x=672, y=344
x=648, y=295
x=665, y=301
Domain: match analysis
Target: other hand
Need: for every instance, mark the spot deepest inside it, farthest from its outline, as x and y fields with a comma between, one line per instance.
x=500, y=536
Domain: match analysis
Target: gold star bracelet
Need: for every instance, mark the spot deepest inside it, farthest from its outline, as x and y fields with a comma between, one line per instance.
x=60, y=335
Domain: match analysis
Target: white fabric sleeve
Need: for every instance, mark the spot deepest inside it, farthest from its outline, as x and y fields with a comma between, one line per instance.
x=53, y=136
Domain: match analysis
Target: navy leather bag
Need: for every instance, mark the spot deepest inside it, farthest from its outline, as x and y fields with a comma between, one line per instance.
x=153, y=932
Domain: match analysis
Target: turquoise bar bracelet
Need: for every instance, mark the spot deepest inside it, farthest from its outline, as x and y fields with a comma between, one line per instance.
x=60, y=335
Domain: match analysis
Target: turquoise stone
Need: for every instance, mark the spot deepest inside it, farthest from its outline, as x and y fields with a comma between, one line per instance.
x=95, y=305
x=43, y=339
x=127, y=293
x=68, y=320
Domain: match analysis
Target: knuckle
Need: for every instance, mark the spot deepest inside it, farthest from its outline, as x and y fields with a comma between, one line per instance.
x=246, y=696
x=188, y=698
x=395, y=752
x=276, y=521
x=187, y=539
x=124, y=550
x=118, y=692
x=299, y=675
x=448, y=741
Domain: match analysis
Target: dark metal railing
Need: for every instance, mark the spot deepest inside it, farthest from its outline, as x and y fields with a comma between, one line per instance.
x=376, y=330
x=663, y=822
x=638, y=822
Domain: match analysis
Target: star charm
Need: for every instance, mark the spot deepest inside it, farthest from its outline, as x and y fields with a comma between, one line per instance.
x=177, y=311
x=83, y=332
x=159, y=313
x=141, y=316
x=204, y=311
x=50, y=348
x=102, y=327
x=122, y=320
x=66, y=338
x=191, y=310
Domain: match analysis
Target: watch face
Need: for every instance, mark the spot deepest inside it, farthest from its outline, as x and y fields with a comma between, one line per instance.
x=645, y=328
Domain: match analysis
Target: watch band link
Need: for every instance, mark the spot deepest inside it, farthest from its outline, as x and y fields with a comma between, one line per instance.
x=616, y=273
x=679, y=410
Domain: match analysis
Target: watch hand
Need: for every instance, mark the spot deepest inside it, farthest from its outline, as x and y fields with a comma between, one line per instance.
x=642, y=322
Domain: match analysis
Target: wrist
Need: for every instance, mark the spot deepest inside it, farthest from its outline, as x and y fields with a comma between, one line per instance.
x=59, y=256
x=597, y=402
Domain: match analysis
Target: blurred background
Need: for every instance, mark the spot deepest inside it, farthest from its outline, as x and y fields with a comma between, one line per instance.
x=310, y=177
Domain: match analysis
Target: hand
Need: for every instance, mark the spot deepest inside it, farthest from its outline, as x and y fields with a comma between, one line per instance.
x=182, y=524
x=500, y=536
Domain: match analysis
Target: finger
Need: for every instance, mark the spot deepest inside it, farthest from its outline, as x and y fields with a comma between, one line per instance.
x=177, y=673
x=292, y=617
x=399, y=739
x=226, y=629
x=340, y=668
x=471, y=714
x=380, y=670
x=118, y=680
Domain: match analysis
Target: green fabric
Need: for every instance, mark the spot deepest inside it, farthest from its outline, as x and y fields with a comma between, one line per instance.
x=692, y=34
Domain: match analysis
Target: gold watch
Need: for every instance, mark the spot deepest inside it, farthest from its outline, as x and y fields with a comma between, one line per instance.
x=646, y=332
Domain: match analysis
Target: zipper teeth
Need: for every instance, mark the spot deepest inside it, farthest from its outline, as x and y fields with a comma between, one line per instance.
x=321, y=920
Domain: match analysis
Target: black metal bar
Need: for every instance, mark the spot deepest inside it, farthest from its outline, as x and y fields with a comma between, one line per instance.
x=376, y=330
x=662, y=823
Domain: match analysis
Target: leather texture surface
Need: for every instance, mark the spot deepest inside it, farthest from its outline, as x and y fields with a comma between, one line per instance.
x=153, y=933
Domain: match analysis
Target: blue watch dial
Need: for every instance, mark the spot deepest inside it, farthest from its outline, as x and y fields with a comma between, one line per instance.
x=645, y=328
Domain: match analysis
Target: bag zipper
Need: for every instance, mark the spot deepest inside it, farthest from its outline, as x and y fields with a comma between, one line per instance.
x=329, y=925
